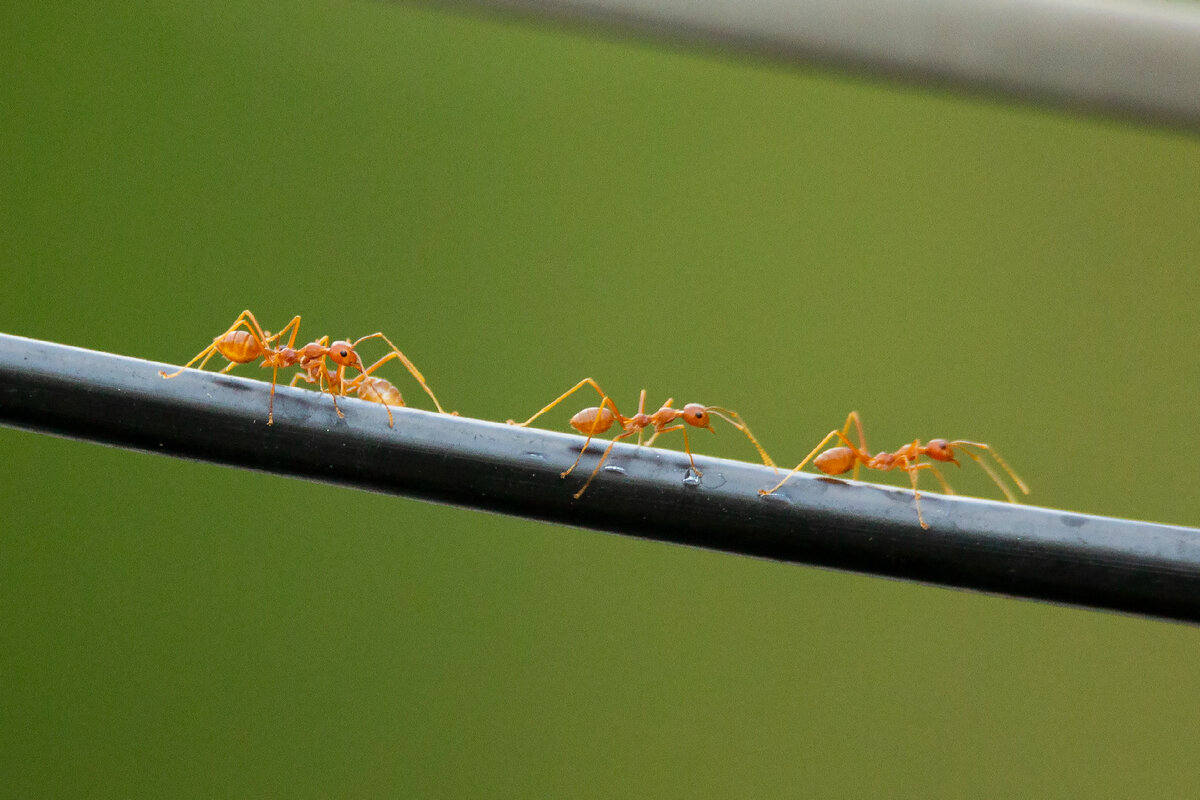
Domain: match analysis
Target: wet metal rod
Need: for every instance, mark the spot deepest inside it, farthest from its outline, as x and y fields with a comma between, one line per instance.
x=1017, y=550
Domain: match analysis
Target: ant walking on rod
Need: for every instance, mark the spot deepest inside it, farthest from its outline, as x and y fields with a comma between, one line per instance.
x=842, y=459
x=245, y=341
x=598, y=419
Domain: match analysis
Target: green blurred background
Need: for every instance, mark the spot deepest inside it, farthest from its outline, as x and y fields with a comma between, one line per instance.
x=520, y=207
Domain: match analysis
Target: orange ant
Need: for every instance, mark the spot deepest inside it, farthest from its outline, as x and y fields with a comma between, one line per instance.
x=599, y=419
x=366, y=386
x=840, y=460
x=240, y=346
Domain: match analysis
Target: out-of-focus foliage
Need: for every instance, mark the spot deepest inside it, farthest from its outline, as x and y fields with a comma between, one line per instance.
x=519, y=208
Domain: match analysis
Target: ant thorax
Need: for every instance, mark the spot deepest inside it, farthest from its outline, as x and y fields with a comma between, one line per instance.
x=311, y=352
x=641, y=420
x=883, y=460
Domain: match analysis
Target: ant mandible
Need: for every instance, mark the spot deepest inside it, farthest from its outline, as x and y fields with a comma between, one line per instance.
x=598, y=419
x=840, y=460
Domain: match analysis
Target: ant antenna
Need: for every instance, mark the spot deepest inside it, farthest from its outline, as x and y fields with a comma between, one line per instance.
x=991, y=472
x=736, y=421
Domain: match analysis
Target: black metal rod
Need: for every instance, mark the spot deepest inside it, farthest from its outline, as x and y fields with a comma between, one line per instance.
x=1138, y=60
x=1015, y=550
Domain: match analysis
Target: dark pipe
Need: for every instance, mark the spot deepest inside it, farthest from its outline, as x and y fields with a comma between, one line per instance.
x=1017, y=550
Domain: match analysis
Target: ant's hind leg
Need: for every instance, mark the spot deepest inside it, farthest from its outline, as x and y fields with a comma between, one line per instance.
x=206, y=354
x=564, y=396
x=829, y=436
x=599, y=464
x=244, y=320
x=862, y=440
x=595, y=429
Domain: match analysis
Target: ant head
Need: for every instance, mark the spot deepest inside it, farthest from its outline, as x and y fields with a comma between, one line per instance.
x=697, y=415
x=940, y=450
x=343, y=354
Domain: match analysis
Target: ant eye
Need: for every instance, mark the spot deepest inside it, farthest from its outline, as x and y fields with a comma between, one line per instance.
x=345, y=354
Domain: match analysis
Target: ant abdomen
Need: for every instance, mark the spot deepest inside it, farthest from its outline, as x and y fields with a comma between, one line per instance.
x=240, y=347
x=835, y=461
x=380, y=390
x=593, y=420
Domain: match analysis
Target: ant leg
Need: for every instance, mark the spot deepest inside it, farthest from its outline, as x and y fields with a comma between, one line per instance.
x=341, y=379
x=667, y=404
x=356, y=386
x=366, y=372
x=642, y=410
x=294, y=326
x=411, y=367
x=741, y=425
x=246, y=320
x=912, y=469
x=324, y=384
x=271, y=400
x=829, y=436
x=255, y=330
x=862, y=440
x=275, y=380
x=568, y=393
x=599, y=464
x=687, y=448
x=595, y=429
x=388, y=409
x=206, y=353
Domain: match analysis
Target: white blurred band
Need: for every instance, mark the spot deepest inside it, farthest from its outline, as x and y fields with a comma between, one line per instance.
x=1134, y=59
